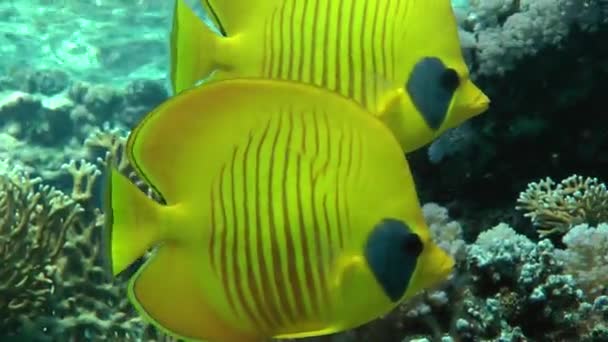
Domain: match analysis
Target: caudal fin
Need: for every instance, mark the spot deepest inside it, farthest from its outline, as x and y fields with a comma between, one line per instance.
x=192, y=48
x=132, y=222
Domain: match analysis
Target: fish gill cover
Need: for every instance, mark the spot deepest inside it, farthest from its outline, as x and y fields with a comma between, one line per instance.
x=503, y=191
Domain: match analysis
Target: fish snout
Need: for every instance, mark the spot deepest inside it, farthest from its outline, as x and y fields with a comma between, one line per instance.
x=437, y=266
x=474, y=101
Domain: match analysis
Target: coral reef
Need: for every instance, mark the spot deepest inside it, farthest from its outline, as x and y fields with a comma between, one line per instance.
x=503, y=32
x=33, y=225
x=539, y=275
x=555, y=208
x=546, y=116
x=50, y=129
x=501, y=276
x=506, y=288
x=55, y=285
x=586, y=257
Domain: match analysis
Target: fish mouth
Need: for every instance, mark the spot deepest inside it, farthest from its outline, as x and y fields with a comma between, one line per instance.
x=441, y=265
x=475, y=100
x=481, y=102
x=447, y=266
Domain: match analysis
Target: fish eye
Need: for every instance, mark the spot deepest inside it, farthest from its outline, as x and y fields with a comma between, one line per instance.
x=449, y=79
x=412, y=244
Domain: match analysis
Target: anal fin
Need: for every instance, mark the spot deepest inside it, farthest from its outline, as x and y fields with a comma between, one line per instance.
x=166, y=292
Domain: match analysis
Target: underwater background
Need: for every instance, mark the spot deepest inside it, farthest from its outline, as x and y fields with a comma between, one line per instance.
x=517, y=195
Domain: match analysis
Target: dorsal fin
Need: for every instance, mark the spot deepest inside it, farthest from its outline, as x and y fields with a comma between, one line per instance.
x=231, y=17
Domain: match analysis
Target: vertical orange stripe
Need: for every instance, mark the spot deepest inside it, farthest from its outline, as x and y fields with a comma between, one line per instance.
x=313, y=181
x=277, y=270
x=308, y=277
x=328, y=146
x=338, y=70
x=364, y=50
x=328, y=227
x=213, y=232
x=347, y=176
x=309, y=272
x=288, y=227
x=375, y=51
x=383, y=38
x=238, y=238
x=319, y=230
x=339, y=190
x=267, y=292
x=325, y=60
x=309, y=269
x=281, y=28
x=392, y=22
x=224, y=246
x=274, y=64
x=250, y=241
x=350, y=52
x=320, y=252
x=303, y=40
x=291, y=56
x=397, y=25
x=312, y=35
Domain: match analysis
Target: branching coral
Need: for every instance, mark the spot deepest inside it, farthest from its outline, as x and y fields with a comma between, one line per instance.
x=53, y=281
x=555, y=208
x=34, y=220
x=84, y=175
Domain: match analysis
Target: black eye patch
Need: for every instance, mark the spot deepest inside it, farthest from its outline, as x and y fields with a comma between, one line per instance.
x=431, y=87
x=392, y=251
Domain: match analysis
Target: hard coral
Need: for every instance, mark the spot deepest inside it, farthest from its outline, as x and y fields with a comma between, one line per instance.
x=555, y=208
x=53, y=282
x=507, y=31
x=586, y=256
x=512, y=277
x=34, y=220
x=508, y=288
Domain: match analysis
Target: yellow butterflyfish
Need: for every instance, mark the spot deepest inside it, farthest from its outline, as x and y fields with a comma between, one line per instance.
x=400, y=59
x=288, y=211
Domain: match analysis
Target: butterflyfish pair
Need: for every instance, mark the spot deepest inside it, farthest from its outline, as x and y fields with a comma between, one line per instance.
x=288, y=211
x=400, y=59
